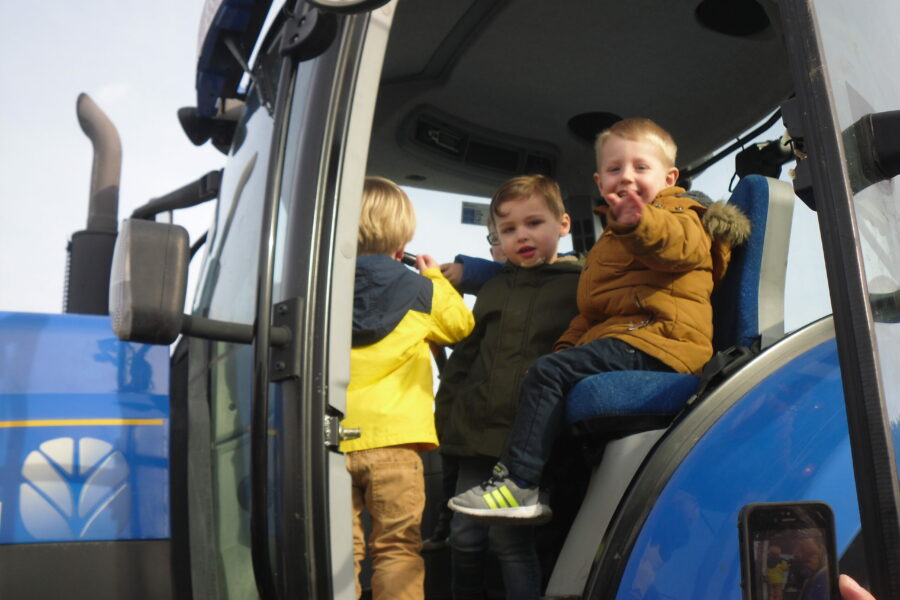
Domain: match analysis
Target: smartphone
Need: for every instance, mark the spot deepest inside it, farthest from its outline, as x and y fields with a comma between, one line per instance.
x=788, y=551
x=409, y=259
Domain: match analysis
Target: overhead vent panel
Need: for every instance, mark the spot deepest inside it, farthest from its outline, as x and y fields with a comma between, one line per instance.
x=429, y=132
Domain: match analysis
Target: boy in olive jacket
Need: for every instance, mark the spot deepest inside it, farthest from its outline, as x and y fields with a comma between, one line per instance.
x=396, y=315
x=518, y=315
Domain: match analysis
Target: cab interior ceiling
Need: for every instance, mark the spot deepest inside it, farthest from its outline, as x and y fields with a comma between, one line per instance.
x=473, y=92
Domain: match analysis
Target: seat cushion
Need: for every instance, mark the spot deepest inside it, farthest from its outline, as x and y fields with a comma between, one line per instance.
x=629, y=393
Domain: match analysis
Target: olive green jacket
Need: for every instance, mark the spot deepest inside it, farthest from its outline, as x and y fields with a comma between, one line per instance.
x=519, y=314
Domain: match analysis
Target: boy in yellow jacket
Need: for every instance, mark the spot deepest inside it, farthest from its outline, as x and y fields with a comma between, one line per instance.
x=643, y=300
x=396, y=314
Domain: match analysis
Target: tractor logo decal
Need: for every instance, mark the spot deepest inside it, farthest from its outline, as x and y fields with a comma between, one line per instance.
x=75, y=489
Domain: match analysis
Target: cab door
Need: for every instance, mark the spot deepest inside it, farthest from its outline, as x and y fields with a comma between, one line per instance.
x=843, y=62
x=282, y=255
x=324, y=111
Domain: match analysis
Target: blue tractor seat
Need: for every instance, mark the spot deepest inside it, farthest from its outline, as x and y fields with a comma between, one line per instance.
x=748, y=313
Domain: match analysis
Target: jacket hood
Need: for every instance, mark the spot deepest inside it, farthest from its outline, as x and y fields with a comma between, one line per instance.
x=726, y=222
x=385, y=291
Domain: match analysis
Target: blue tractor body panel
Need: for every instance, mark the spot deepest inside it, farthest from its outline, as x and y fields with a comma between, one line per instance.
x=84, y=432
x=785, y=440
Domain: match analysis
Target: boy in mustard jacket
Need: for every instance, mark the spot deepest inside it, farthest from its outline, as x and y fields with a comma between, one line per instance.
x=643, y=300
x=396, y=314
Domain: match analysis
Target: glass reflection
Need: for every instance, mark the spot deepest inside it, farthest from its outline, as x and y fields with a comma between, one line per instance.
x=857, y=44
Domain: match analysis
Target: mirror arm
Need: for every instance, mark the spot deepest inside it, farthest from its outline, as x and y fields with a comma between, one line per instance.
x=224, y=331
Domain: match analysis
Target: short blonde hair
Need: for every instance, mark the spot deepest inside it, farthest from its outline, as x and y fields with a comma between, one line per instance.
x=524, y=186
x=639, y=129
x=387, y=220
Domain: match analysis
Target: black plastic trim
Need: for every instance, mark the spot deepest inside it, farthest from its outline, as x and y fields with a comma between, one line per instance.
x=120, y=570
x=178, y=470
x=202, y=190
x=266, y=574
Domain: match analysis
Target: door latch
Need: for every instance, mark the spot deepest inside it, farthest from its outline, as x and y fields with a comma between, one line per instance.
x=335, y=433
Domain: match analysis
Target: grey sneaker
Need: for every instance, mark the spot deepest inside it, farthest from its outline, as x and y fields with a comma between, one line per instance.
x=501, y=500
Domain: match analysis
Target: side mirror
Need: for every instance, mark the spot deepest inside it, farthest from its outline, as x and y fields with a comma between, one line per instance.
x=148, y=281
x=147, y=287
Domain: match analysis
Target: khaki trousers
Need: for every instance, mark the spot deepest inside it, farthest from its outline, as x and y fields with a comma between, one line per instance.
x=389, y=483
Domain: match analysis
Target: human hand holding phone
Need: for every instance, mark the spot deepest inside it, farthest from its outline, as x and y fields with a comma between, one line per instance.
x=420, y=262
x=788, y=547
x=424, y=261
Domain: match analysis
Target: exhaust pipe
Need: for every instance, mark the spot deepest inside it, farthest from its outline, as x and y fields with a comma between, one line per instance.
x=90, y=251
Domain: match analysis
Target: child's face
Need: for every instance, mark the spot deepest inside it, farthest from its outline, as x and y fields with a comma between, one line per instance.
x=633, y=165
x=529, y=232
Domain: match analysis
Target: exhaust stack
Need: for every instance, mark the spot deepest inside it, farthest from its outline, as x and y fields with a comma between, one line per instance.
x=90, y=251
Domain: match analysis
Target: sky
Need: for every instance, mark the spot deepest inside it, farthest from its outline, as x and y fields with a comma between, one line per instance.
x=137, y=61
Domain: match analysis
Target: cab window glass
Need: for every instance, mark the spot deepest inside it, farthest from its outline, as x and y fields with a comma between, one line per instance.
x=858, y=46
x=229, y=281
x=806, y=297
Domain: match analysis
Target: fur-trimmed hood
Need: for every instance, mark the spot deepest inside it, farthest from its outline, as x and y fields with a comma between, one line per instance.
x=728, y=227
x=726, y=222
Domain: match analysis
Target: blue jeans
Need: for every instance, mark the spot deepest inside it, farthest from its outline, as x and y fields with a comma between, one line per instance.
x=470, y=541
x=540, y=416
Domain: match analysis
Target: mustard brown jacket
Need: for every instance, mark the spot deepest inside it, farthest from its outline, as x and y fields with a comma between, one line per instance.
x=650, y=285
x=396, y=313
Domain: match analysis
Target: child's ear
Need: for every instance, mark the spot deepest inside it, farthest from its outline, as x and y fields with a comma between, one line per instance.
x=398, y=255
x=565, y=223
x=597, y=181
x=671, y=176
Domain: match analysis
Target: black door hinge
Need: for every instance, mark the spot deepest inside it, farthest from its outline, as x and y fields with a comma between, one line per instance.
x=308, y=35
x=284, y=361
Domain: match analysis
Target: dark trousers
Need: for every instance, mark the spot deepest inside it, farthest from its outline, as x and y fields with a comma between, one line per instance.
x=540, y=416
x=471, y=540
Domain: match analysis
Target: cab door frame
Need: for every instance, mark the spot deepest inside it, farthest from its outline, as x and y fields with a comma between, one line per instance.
x=324, y=113
x=812, y=117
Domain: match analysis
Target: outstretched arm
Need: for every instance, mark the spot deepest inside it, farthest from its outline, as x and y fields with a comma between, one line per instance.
x=469, y=273
x=452, y=320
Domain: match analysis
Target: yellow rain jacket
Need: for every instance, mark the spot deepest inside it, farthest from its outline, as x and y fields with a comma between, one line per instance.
x=396, y=312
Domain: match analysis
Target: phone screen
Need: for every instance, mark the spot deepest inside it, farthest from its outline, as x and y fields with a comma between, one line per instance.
x=788, y=549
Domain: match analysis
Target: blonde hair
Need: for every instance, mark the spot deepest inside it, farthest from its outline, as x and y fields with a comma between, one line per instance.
x=524, y=186
x=387, y=220
x=639, y=129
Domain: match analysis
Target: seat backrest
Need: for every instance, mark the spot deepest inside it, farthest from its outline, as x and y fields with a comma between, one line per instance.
x=748, y=304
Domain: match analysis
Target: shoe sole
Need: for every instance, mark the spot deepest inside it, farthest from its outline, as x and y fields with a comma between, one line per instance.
x=522, y=515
